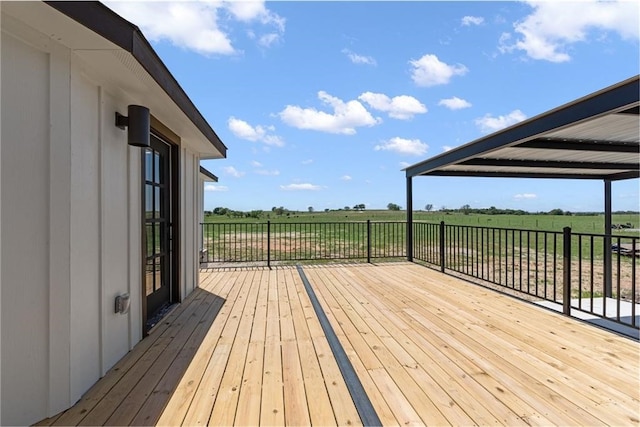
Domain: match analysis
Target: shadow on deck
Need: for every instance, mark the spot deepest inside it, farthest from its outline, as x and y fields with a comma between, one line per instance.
x=248, y=349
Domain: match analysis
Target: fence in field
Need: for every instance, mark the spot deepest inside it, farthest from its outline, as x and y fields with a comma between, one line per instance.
x=570, y=269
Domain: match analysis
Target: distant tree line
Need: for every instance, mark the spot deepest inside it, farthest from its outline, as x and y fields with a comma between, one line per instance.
x=464, y=209
x=467, y=209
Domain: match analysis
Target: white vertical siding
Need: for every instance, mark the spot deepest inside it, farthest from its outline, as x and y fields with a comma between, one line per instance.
x=189, y=263
x=189, y=171
x=25, y=231
x=105, y=237
x=85, y=235
x=115, y=245
x=59, y=230
x=71, y=230
x=134, y=244
x=200, y=216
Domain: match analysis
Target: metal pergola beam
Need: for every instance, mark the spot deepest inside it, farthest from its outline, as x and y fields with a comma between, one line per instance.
x=549, y=175
x=582, y=145
x=549, y=164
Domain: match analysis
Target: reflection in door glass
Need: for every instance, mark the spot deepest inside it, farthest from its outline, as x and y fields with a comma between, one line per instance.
x=148, y=201
x=148, y=165
x=149, y=236
x=149, y=277
x=156, y=170
x=156, y=238
x=158, y=275
x=157, y=202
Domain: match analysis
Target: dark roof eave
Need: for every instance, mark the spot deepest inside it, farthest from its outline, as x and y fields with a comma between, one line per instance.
x=105, y=22
x=208, y=174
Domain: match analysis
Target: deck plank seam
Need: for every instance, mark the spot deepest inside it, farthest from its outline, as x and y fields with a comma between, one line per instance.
x=365, y=409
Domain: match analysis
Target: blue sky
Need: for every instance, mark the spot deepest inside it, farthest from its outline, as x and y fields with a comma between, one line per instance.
x=322, y=104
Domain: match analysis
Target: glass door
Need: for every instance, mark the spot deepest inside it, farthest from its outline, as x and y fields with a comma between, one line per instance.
x=158, y=233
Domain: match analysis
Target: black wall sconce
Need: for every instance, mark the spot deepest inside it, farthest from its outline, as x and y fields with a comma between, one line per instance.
x=137, y=124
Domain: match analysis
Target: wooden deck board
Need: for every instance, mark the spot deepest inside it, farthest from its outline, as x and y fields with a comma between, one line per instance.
x=494, y=353
x=248, y=349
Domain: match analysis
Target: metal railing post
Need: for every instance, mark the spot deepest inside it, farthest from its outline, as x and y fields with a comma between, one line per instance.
x=269, y=244
x=442, y=257
x=369, y=241
x=566, y=271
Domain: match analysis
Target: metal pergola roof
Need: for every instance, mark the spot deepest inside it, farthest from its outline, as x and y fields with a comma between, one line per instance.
x=594, y=137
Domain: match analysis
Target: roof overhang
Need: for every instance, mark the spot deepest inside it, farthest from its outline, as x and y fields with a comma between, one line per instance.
x=116, y=51
x=207, y=176
x=594, y=137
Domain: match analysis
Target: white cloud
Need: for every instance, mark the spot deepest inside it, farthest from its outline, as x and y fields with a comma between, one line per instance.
x=552, y=27
x=198, y=26
x=248, y=11
x=268, y=40
x=307, y=162
x=472, y=20
x=446, y=148
x=300, y=187
x=244, y=130
x=230, y=170
x=488, y=123
x=413, y=147
x=256, y=164
x=401, y=107
x=525, y=196
x=454, y=103
x=359, y=59
x=345, y=178
x=215, y=188
x=265, y=172
x=430, y=71
x=344, y=119
x=404, y=165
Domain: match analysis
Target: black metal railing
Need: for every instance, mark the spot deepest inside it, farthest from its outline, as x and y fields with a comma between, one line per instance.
x=593, y=273
x=288, y=242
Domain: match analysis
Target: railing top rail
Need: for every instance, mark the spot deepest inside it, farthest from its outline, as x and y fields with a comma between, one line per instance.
x=303, y=222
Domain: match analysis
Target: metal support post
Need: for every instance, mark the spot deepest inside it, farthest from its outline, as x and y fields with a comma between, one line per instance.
x=566, y=270
x=607, y=240
x=409, y=220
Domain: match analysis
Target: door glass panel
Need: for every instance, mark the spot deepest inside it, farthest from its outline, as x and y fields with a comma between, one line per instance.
x=148, y=165
x=149, y=277
x=148, y=201
x=158, y=282
x=149, y=236
x=157, y=202
x=156, y=239
x=156, y=167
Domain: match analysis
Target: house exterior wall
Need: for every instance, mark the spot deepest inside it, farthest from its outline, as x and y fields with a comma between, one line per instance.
x=200, y=210
x=70, y=238
x=25, y=230
x=189, y=214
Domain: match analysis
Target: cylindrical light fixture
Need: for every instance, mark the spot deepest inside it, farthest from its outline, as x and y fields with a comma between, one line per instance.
x=138, y=125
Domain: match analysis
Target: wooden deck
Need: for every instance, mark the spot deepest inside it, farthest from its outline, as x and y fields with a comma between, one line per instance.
x=248, y=349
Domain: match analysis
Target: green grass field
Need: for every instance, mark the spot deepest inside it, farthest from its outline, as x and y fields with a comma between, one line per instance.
x=578, y=223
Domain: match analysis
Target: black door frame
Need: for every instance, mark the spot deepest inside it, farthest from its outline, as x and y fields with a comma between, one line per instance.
x=173, y=142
